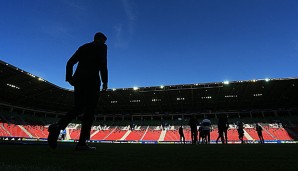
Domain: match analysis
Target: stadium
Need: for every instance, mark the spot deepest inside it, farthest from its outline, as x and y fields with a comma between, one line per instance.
x=148, y=115
x=29, y=104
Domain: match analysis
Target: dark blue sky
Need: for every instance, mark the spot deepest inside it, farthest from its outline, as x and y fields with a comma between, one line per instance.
x=155, y=42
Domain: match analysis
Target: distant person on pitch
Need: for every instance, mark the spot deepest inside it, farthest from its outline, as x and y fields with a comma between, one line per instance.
x=206, y=124
x=91, y=71
x=240, y=129
x=259, y=130
x=193, y=123
x=201, y=135
x=182, y=137
x=223, y=126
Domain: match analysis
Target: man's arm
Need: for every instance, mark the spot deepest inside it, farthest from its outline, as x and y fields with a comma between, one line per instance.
x=69, y=67
x=104, y=69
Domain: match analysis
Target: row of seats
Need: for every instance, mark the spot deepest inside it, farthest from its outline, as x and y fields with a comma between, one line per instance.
x=119, y=133
x=37, y=131
x=173, y=135
x=14, y=130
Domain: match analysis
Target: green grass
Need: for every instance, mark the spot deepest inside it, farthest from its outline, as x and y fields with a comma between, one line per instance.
x=150, y=157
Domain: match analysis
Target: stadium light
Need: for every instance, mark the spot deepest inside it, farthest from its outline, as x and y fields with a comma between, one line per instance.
x=31, y=75
x=40, y=79
x=226, y=82
x=13, y=86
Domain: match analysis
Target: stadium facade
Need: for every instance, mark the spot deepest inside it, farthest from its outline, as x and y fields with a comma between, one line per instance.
x=28, y=104
x=26, y=93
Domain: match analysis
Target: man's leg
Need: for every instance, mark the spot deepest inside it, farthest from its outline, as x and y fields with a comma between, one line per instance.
x=242, y=141
x=66, y=119
x=195, y=137
x=218, y=137
x=221, y=137
x=78, y=107
x=226, y=135
x=86, y=127
x=208, y=134
x=91, y=95
x=54, y=129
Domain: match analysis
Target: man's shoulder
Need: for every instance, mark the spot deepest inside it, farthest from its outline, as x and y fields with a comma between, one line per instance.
x=92, y=45
x=86, y=45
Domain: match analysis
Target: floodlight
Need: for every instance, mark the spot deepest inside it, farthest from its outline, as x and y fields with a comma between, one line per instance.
x=226, y=82
x=135, y=88
x=40, y=79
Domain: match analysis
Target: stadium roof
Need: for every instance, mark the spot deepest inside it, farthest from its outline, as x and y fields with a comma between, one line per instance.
x=19, y=88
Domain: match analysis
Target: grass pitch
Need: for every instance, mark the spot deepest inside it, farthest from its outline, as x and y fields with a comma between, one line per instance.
x=150, y=157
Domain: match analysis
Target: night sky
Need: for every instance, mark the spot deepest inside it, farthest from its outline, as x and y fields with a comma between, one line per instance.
x=155, y=42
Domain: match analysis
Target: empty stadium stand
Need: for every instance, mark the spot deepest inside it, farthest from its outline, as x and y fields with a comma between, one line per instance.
x=28, y=104
x=152, y=134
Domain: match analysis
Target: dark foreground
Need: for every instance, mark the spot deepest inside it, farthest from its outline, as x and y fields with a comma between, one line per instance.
x=150, y=157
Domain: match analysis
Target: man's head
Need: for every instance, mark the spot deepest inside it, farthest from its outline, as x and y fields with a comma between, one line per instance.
x=100, y=37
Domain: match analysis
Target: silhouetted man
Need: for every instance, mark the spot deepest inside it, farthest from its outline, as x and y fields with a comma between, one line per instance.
x=206, y=124
x=223, y=126
x=182, y=137
x=259, y=130
x=193, y=123
x=201, y=134
x=92, y=60
x=240, y=130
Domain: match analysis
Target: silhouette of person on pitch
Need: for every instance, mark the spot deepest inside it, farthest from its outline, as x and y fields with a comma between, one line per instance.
x=206, y=124
x=223, y=126
x=193, y=123
x=182, y=137
x=259, y=130
x=202, y=137
x=92, y=60
x=240, y=129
